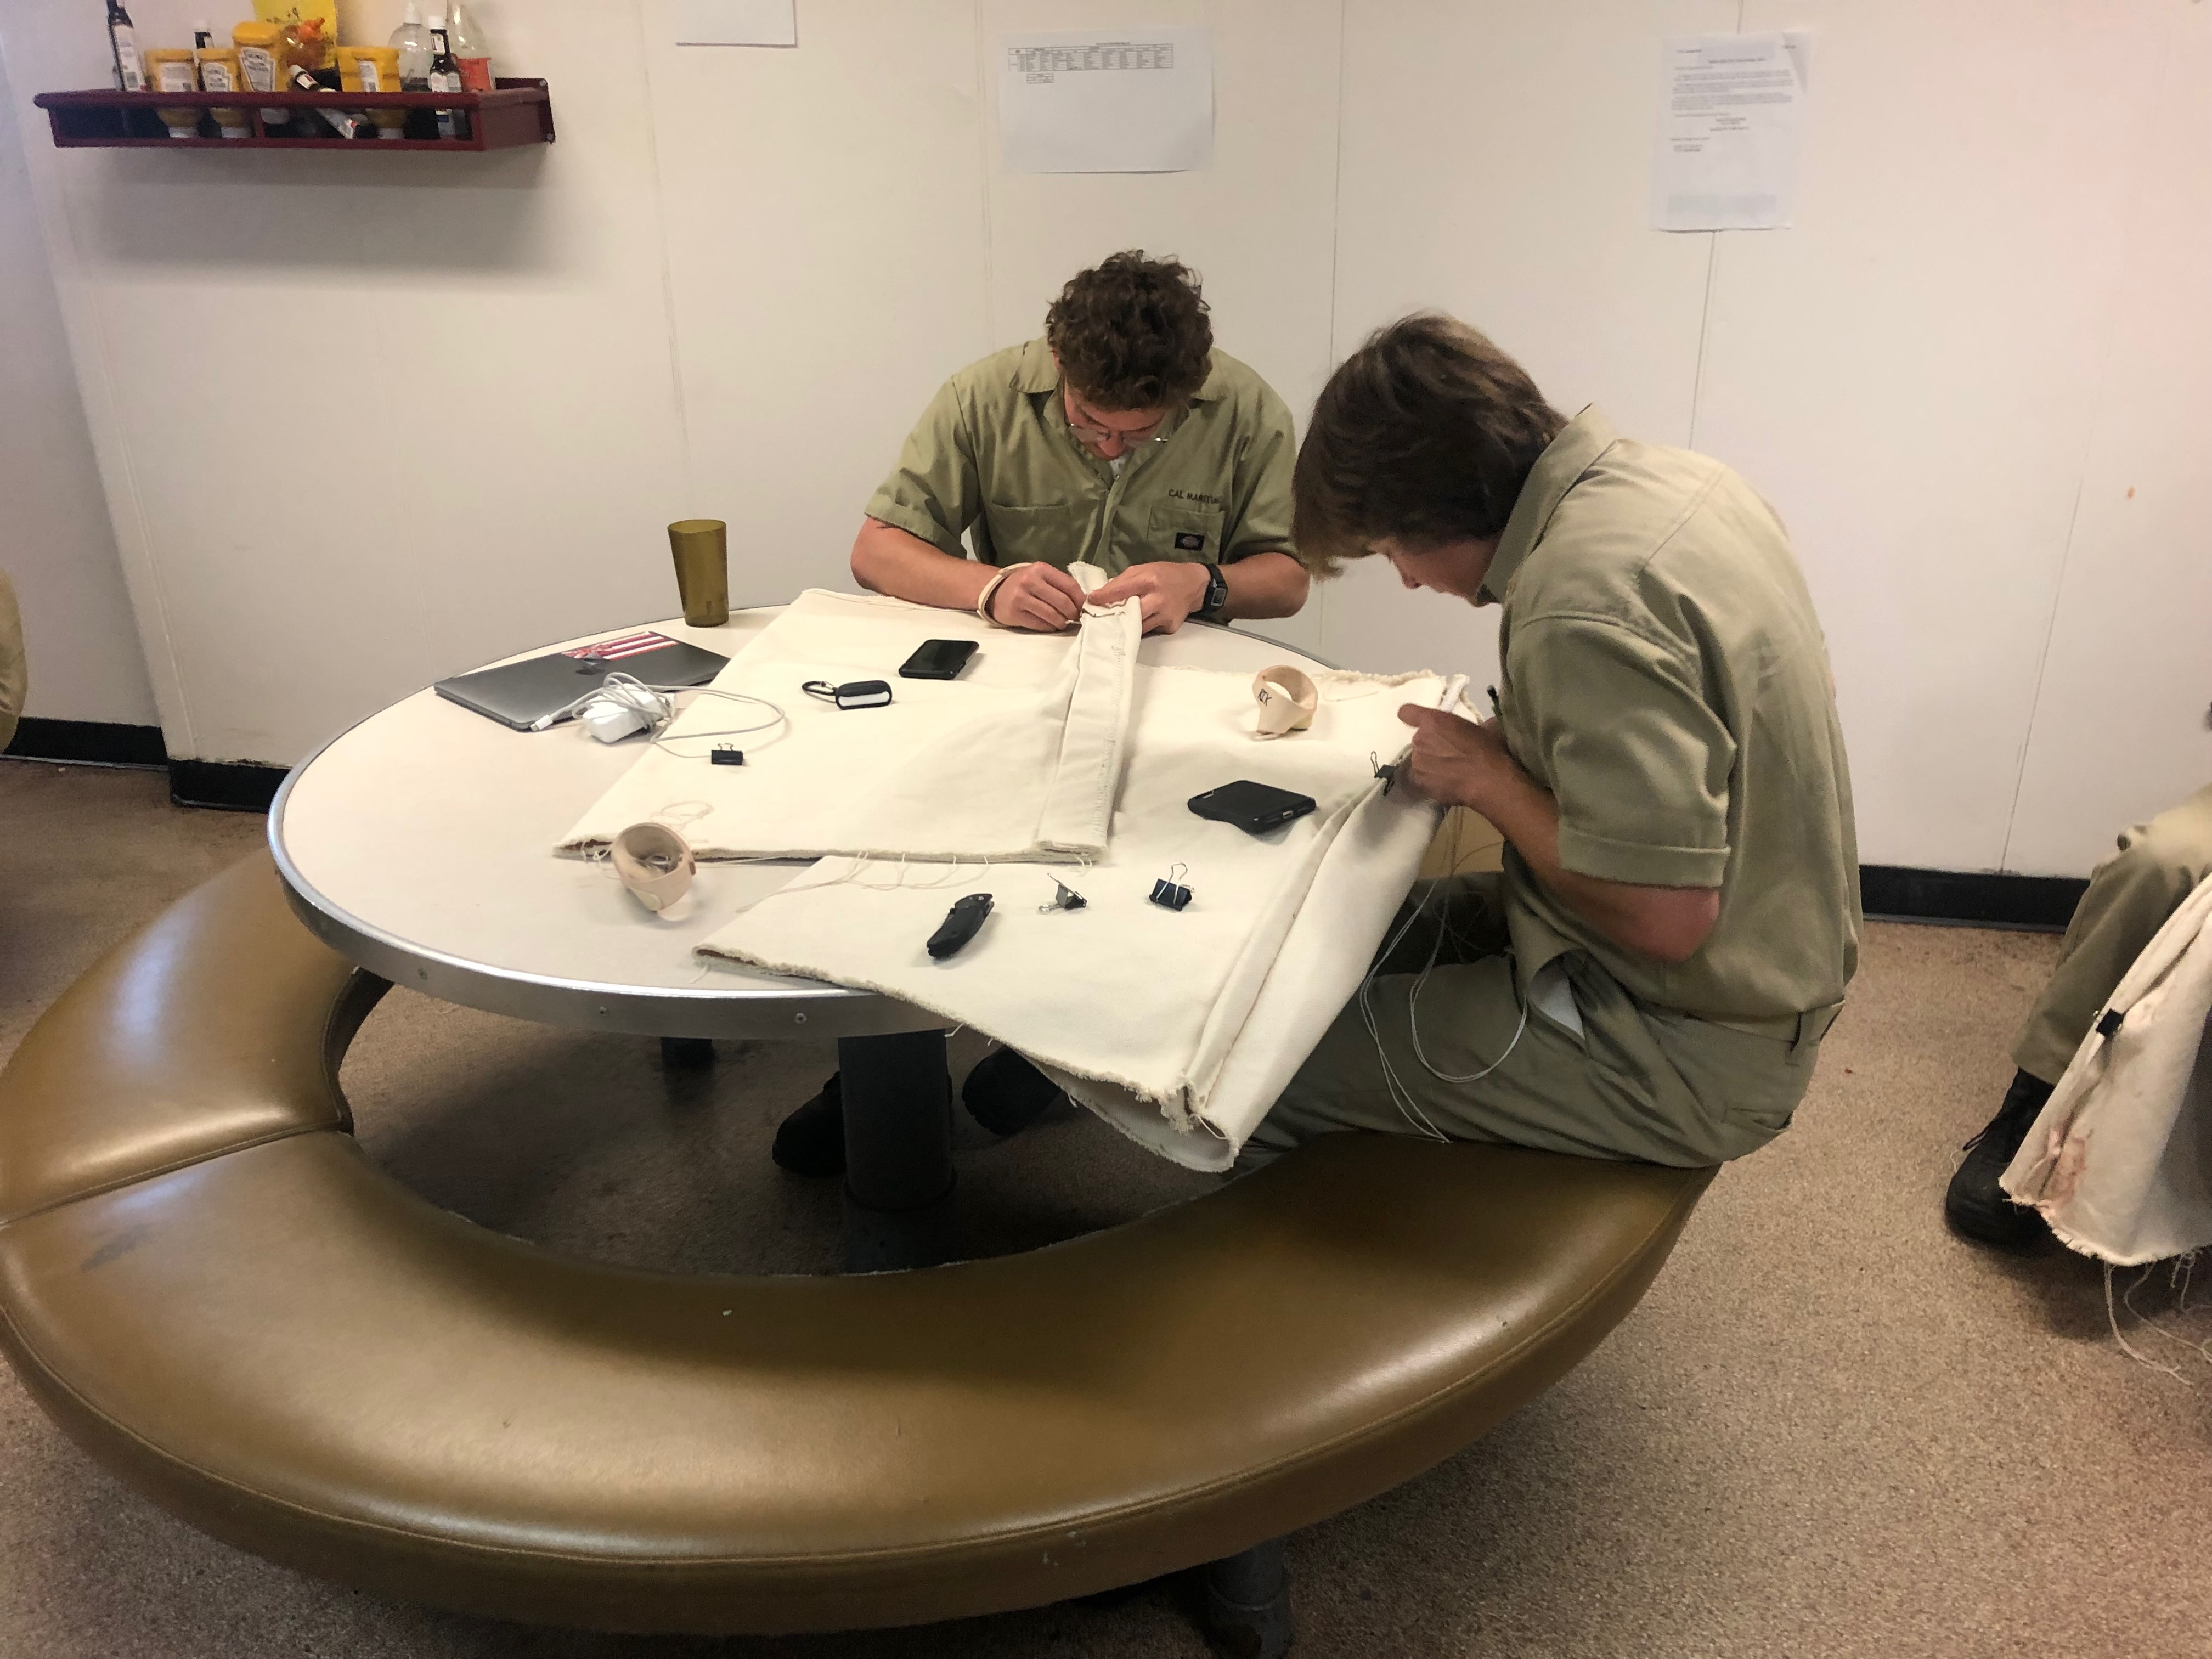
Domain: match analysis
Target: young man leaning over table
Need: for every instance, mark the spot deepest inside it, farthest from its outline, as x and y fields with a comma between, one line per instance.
x=1650, y=975
x=1123, y=438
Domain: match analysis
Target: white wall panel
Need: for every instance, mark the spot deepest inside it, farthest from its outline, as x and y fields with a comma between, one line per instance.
x=373, y=418
x=1258, y=225
x=1908, y=374
x=1496, y=166
x=2121, y=724
x=56, y=543
x=363, y=419
x=824, y=225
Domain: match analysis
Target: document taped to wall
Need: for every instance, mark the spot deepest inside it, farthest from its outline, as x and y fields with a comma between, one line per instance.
x=1075, y=100
x=1731, y=114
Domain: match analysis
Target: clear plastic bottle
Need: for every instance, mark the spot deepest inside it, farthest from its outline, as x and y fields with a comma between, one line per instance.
x=412, y=41
x=469, y=51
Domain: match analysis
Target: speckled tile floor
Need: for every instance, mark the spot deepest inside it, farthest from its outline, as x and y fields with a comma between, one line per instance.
x=1829, y=1429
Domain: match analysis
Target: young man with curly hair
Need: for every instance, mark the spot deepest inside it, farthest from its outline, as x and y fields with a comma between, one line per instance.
x=1121, y=438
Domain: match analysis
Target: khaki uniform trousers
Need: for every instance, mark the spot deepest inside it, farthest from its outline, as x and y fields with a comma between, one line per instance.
x=1636, y=1083
x=14, y=676
x=2129, y=898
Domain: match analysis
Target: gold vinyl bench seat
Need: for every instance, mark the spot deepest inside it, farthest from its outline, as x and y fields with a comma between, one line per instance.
x=209, y=1287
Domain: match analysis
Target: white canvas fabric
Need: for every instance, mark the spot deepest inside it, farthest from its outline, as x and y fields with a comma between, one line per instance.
x=1179, y=1027
x=2119, y=1161
x=1016, y=759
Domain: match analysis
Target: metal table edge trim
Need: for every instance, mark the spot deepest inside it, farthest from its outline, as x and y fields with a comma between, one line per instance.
x=830, y=1011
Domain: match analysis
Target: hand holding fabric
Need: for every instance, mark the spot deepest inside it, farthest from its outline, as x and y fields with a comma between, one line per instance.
x=1042, y=598
x=1170, y=592
x=1459, y=762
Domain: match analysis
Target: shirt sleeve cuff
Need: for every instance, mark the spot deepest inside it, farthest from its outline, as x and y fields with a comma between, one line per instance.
x=916, y=523
x=1643, y=865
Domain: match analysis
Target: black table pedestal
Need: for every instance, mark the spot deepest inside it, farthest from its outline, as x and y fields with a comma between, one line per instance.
x=898, y=1153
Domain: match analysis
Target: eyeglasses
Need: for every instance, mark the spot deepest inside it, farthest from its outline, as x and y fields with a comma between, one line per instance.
x=1083, y=420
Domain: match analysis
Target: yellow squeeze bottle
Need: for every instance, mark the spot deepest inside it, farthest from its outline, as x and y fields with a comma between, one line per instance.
x=219, y=72
x=171, y=69
x=257, y=65
x=374, y=68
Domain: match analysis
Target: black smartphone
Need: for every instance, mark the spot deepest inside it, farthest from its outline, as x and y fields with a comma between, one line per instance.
x=938, y=659
x=1252, y=808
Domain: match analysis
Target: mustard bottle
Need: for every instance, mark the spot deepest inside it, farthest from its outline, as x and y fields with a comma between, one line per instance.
x=220, y=72
x=257, y=65
x=374, y=68
x=171, y=69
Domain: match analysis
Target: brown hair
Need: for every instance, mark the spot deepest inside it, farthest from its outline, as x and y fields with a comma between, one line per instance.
x=1132, y=334
x=1425, y=434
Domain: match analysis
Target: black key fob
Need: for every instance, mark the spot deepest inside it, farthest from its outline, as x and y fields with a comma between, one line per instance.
x=862, y=694
x=962, y=923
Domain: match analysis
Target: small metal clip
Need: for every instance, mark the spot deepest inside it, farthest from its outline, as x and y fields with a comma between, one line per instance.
x=1064, y=897
x=1168, y=892
x=1388, y=774
x=727, y=754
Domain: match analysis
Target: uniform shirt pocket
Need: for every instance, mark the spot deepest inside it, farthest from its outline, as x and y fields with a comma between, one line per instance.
x=1056, y=533
x=1184, y=533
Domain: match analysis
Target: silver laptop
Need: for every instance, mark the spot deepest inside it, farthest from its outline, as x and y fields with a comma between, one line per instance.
x=542, y=691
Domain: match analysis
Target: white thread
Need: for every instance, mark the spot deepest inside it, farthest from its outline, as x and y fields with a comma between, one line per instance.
x=2111, y=1313
x=898, y=882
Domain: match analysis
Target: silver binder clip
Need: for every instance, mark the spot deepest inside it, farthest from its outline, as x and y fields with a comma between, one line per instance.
x=1064, y=897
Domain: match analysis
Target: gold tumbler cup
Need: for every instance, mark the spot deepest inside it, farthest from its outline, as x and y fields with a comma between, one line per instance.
x=703, y=569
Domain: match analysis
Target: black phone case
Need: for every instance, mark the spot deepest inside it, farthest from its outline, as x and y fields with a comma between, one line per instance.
x=924, y=665
x=1255, y=808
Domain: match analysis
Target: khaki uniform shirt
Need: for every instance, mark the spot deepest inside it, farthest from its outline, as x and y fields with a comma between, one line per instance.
x=1665, y=677
x=994, y=450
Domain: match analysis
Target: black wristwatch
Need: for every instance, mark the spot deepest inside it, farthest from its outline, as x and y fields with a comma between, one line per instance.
x=1217, y=595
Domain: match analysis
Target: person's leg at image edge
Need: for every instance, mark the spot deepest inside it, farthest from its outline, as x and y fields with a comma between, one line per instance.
x=2129, y=898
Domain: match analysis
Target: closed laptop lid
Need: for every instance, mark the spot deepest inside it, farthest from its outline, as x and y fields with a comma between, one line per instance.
x=523, y=694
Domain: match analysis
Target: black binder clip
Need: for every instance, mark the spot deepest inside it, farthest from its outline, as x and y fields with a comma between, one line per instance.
x=727, y=754
x=1064, y=897
x=1168, y=892
x=1388, y=774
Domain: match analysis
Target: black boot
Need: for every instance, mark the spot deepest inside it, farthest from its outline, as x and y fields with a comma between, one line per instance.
x=1976, y=1206
x=1006, y=1094
x=812, y=1140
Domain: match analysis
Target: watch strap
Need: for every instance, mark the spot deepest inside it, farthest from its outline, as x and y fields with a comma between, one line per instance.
x=1217, y=593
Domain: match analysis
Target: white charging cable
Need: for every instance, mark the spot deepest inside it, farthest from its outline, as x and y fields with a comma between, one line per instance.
x=1402, y=1097
x=621, y=704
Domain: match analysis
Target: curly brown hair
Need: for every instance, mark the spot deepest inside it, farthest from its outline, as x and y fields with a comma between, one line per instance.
x=1132, y=334
x=1424, y=434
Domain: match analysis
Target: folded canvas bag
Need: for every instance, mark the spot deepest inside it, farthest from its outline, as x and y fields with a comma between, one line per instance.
x=1179, y=1026
x=1016, y=759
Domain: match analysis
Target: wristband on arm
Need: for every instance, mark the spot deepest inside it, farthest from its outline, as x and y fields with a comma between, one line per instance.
x=983, y=599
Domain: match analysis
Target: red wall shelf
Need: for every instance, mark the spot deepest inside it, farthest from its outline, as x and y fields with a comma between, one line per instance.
x=519, y=111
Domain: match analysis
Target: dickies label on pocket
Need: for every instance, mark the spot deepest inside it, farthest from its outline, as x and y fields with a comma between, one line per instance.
x=1189, y=541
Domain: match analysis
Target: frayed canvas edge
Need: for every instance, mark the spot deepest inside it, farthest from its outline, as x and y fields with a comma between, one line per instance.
x=951, y=1017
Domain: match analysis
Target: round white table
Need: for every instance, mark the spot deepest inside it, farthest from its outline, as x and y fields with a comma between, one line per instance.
x=419, y=845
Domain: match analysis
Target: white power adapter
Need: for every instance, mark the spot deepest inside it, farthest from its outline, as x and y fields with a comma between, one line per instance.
x=623, y=705
x=610, y=721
